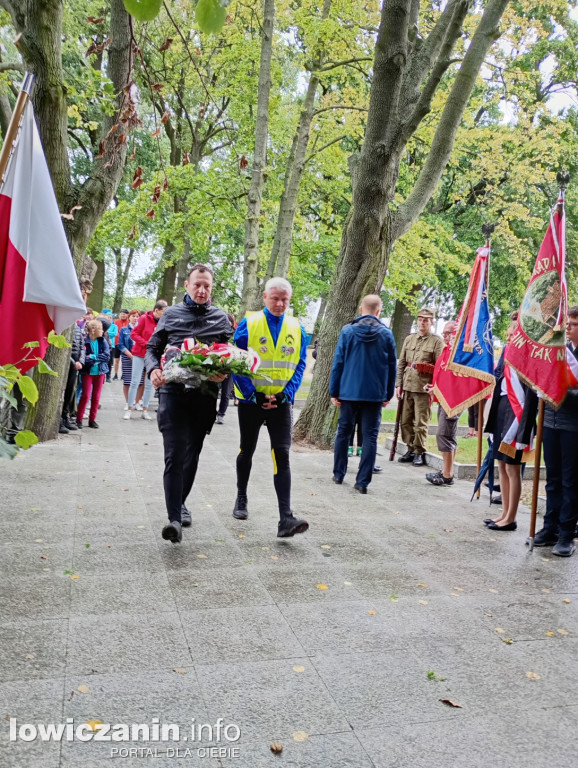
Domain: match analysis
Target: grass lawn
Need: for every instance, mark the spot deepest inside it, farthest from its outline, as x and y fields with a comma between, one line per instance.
x=467, y=452
x=389, y=414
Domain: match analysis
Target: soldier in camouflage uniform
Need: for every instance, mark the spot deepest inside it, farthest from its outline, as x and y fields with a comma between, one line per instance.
x=414, y=370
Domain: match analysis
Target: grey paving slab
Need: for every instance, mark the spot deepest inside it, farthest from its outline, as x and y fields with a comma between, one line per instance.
x=32, y=648
x=233, y=635
x=269, y=700
x=415, y=584
x=218, y=587
x=117, y=642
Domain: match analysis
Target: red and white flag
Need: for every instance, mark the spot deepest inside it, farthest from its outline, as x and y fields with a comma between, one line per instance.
x=39, y=289
x=537, y=350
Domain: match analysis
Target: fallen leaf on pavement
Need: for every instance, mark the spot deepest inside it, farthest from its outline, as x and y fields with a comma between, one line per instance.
x=494, y=591
x=562, y=632
x=241, y=535
x=94, y=725
x=274, y=557
x=565, y=600
x=422, y=602
x=550, y=634
x=265, y=549
x=38, y=541
x=29, y=655
x=546, y=591
x=298, y=669
x=545, y=559
x=326, y=546
x=372, y=613
x=451, y=703
x=500, y=630
x=458, y=589
x=422, y=585
x=276, y=748
x=506, y=640
x=203, y=557
x=300, y=736
x=83, y=689
x=322, y=586
x=532, y=676
x=348, y=584
x=75, y=576
x=180, y=671
x=455, y=594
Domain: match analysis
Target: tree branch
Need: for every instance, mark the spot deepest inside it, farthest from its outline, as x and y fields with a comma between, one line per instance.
x=339, y=106
x=16, y=66
x=335, y=64
x=329, y=143
x=485, y=34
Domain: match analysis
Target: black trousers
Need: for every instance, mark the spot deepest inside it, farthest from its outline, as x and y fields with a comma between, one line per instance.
x=226, y=395
x=279, y=423
x=561, y=459
x=184, y=418
x=69, y=392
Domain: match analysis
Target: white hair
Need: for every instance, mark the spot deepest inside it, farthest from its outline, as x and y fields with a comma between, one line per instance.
x=280, y=283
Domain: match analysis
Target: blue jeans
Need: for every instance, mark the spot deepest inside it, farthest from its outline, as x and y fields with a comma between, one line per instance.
x=561, y=459
x=370, y=417
x=137, y=369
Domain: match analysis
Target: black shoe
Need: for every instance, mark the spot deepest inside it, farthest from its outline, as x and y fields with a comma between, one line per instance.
x=497, y=500
x=93, y=424
x=78, y=424
x=438, y=478
x=407, y=457
x=419, y=460
x=488, y=520
x=337, y=480
x=186, y=518
x=289, y=526
x=510, y=527
x=241, y=512
x=108, y=380
x=377, y=469
x=360, y=488
x=564, y=549
x=173, y=532
x=70, y=425
x=62, y=430
x=545, y=538
x=115, y=377
x=496, y=488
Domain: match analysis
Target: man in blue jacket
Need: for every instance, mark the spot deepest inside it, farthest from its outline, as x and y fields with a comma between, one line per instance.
x=362, y=381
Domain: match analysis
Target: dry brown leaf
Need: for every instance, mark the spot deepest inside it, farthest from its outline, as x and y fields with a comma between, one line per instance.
x=29, y=655
x=298, y=669
x=550, y=634
x=241, y=535
x=500, y=630
x=83, y=689
x=372, y=613
x=566, y=600
x=546, y=591
x=422, y=585
x=75, y=576
x=94, y=725
x=507, y=640
x=265, y=549
x=300, y=736
x=180, y=671
x=561, y=631
x=276, y=747
x=322, y=586
x=532, y=676
x=458, y=589
x=451, y=703
x=44, y=557
x=422, y=602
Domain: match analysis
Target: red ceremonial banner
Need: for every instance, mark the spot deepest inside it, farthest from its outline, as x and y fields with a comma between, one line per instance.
x=537, y=350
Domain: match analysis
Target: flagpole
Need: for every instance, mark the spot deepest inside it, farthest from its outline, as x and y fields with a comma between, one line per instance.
x=14, y=124
x=487, y=230
x=563, y=179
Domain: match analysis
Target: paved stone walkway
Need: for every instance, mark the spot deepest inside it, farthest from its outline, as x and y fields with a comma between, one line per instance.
x=339, y=644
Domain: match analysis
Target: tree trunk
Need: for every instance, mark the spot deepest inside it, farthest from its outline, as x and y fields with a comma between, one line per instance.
x=96, y=297
x=396, y=108
x=122, y=274
x=249, y=298
x=283, y=242
x=183, y=265
x=401, y=322
x=320, y=316
x=167, y=285
x=40, y=25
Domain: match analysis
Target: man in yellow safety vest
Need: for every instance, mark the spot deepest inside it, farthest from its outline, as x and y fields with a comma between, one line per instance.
x=281, y=343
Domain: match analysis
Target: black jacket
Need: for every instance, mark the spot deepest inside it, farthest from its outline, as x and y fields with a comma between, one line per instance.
x=205, y=324
x=77, y=352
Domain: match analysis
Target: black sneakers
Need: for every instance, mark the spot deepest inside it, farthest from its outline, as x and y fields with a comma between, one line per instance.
x=240, y=511
x=289, y=526
x=93, y=424
x=407, y=457
x=173, y=532
x=360, y=488
x=545, y=538
x=186, y=518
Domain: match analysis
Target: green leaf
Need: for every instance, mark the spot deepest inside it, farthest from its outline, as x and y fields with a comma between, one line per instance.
x=28, y=389
x=31, y=345
x=4, y=395
x=7, y=451
x=25, y=439
x=143, y=10
x=57, y=340
x=43, y=367
x=210, y=16
x=10, y=372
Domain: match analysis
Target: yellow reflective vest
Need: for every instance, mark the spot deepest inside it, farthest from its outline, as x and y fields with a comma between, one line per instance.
x=277, y=362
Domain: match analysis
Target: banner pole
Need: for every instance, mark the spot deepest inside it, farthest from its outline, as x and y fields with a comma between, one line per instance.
x=14, y=124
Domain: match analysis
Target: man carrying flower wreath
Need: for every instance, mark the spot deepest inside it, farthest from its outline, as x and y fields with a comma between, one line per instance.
x=281, y=343
x=185, y=414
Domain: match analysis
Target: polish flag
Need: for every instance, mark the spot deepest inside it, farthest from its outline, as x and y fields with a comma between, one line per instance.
x=39, y=290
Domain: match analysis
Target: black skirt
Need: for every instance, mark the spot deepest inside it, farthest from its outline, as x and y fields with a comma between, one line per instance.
x=504, y=419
